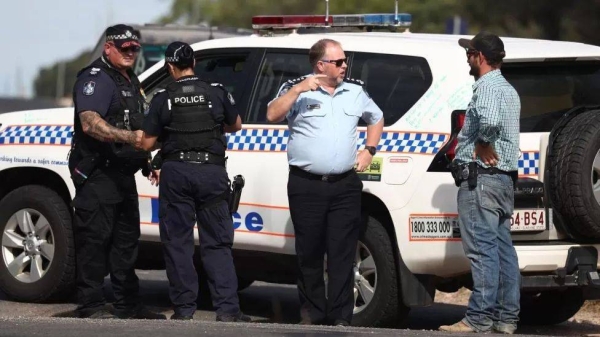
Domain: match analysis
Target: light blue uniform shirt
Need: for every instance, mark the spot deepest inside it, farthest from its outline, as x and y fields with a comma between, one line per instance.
x=323, y=134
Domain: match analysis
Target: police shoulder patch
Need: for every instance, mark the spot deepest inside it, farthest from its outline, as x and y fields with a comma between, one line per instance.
x=229, y=95
x=230, y=98
x=355, y=81
x=88, y=88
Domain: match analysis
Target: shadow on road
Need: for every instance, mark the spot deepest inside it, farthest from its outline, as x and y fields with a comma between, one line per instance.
x=270, y=303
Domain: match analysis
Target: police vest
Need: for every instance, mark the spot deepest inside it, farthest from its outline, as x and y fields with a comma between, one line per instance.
x=192, y=126
x=129, y=115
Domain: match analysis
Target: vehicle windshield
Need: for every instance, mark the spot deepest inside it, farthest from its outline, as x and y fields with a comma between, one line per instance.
x=149, y=56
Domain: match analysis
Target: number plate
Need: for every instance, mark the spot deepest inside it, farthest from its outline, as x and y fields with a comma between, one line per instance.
x=525, y=220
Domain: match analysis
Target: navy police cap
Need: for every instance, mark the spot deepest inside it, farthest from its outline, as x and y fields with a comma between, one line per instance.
x=180, y=54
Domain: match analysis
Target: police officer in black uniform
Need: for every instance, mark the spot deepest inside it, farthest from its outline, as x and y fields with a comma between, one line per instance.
x=190, y=118
x=105, y=155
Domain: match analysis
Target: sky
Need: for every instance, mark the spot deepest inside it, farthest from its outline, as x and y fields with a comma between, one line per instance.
x=37, y=33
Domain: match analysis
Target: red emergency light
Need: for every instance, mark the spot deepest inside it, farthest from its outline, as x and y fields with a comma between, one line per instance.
x=290, y=21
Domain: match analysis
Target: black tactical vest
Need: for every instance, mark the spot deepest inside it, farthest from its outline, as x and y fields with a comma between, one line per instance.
x=192, y=126
x=128, y=115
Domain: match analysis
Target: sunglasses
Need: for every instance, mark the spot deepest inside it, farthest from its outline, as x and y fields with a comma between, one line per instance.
x=338, y=63
x=471, y=52
x=133, y=49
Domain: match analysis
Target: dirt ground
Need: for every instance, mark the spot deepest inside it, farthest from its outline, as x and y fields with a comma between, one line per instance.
x=585, y=323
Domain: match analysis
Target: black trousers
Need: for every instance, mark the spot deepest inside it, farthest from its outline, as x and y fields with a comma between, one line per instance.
x=184, y=188
x=326, y=219
x=106, y=226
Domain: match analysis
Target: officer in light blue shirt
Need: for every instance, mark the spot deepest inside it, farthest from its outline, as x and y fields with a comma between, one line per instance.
x=324, y=190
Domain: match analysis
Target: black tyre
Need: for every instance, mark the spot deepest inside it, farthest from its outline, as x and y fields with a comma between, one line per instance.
x=550, y=307
x=574, y=172
x=377, y=294
x=38, y=255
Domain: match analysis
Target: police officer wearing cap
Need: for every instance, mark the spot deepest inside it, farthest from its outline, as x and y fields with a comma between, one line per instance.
x=485, y=169
x=189, y=119
x=324, y=189
x=104, y=158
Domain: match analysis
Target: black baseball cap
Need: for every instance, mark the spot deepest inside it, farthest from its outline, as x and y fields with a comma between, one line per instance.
x=123, y=36
x=180, y=54
x=487, y=43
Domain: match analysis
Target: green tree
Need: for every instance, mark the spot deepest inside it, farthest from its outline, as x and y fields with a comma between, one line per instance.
x=550, y=19
x=428, y=15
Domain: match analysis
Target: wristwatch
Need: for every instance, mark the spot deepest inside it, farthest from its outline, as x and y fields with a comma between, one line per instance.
x=372, y=150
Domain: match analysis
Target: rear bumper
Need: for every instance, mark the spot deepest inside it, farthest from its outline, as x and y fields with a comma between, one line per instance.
x=559, y=266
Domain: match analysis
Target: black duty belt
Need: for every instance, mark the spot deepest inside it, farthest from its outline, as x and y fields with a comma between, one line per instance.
x=491, y=170
x=195, y=157
x=327, y=177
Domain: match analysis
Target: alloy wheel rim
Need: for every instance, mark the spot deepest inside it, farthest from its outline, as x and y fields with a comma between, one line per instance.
x=28, y=245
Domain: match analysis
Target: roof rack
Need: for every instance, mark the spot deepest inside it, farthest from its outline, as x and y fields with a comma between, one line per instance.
x=272, y=24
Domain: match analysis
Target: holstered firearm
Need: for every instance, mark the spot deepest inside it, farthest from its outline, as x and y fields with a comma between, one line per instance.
x=236, y=193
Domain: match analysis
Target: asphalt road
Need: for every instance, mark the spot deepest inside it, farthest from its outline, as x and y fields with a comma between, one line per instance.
x=274, y=309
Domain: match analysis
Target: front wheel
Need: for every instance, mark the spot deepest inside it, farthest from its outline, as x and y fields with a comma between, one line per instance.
x=38, y=255
x=377, y=301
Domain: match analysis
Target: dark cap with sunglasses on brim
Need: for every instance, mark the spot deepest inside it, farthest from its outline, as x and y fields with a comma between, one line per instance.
x=179, y=54
x=487, y=43
x=123, y=36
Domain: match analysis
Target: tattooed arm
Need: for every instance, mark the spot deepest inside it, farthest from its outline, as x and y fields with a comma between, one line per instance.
x=98, y=128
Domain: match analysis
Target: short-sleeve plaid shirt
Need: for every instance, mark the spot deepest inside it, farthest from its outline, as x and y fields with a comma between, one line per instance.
x=492, y=116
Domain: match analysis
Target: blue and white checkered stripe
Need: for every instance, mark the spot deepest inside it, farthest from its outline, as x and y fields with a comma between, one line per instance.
x=276, y=140
x=258, y=140
x=427, y=143
x=37, y=134
x=529, y=163
x=271, y=140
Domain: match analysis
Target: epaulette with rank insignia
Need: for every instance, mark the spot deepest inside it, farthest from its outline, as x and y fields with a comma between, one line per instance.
x=94, y=71
x=355, y=81
x=289, y=84
x=295, y=81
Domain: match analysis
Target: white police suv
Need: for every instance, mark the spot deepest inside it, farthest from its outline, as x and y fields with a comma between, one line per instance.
x=410, y=245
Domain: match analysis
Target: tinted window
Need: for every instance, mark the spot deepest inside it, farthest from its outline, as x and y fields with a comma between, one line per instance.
x=394, y=82
x=275, y=70
x=225, y=69
x=548, y=91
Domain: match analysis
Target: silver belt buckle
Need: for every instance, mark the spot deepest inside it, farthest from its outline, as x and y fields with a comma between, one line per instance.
x=324, y=178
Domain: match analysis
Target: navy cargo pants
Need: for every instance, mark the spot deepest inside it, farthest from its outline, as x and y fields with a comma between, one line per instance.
x=184, y=188
x=106, y=226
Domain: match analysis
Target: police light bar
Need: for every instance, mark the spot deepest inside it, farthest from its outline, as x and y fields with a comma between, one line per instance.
x=323, y=21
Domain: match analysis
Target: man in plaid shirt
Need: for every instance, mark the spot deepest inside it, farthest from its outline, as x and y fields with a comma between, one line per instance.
x=486, y=164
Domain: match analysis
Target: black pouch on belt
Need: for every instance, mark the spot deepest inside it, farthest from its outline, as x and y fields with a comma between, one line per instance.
x=472, y=176
x=84, y=169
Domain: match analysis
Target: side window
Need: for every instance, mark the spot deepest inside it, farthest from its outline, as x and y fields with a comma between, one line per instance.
x=547, y=91
x=226, y=69
x=394, y=82
x=276, y=68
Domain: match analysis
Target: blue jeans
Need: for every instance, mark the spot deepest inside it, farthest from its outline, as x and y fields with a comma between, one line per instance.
x=484, y=220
